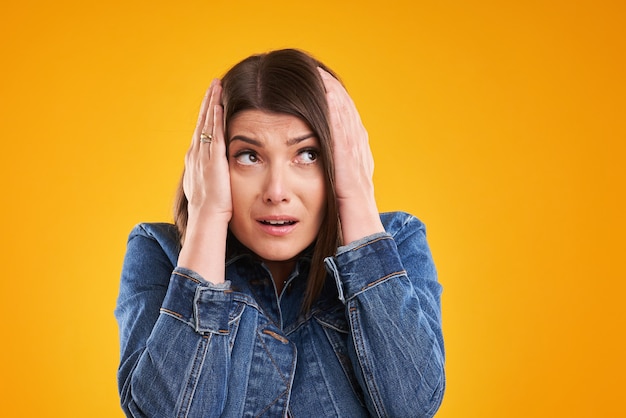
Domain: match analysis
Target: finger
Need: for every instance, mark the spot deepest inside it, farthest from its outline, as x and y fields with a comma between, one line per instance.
x=215, y=98
x=326, y=76
x=214, y=126
x=335, y=116
x=335, y=95
x=332, y=84
x=350, y=139
x=219, y=141
x=202, y=115
x=340, y=119
x=342, y=98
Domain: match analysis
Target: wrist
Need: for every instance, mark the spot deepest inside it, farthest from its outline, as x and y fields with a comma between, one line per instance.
x=204, y=217
x=359, y=220
x=204, y=247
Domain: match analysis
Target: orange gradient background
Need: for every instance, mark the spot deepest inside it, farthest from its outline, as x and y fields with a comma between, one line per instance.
x=502, y=126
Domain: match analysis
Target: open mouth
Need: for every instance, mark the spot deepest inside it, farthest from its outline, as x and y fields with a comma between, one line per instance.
x=277, y=223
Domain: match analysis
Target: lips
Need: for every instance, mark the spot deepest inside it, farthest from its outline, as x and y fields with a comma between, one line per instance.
x=277, y=225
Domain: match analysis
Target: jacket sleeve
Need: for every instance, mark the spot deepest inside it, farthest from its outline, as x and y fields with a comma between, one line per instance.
x=162, y=346
x=388, y=283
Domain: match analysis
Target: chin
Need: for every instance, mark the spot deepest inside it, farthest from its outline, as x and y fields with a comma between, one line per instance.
x=274, y=248
x=277, y=251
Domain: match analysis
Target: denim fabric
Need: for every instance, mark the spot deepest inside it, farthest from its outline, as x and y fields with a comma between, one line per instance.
x=370, y=346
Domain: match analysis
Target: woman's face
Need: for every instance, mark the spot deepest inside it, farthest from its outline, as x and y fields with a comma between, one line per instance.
x=277, y=183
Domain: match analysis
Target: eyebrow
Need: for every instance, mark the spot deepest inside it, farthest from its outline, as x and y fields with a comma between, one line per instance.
x=257, y=143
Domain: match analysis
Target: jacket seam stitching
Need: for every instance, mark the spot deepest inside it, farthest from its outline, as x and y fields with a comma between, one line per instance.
x=364, y=361
x=382, y=279
x=365, y=244
x=273, y=402
x=280, y=373
x=192, y=382
x=187, y=277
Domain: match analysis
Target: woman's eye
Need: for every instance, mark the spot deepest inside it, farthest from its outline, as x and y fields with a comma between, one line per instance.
x=246, y=158
x=307, y=156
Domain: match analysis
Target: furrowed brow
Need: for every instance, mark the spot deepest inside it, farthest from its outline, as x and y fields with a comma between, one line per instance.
x=246, y=140
x=299, y=139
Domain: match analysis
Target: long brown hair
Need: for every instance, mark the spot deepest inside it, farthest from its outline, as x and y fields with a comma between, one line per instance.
x=285, y=81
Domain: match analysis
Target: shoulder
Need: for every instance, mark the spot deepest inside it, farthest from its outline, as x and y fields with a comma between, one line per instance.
x=155, y=237
x=401, y=222
x=156, y=230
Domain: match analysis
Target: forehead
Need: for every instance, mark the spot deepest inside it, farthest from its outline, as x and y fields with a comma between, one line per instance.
x=262, y=124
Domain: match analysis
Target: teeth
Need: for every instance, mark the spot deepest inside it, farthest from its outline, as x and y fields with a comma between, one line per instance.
x=278, y=222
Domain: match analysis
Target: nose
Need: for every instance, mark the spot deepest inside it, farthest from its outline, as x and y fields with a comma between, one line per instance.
x=276, y=187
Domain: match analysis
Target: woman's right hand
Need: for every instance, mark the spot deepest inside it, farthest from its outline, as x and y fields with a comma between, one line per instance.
x=206, y=181
x=206, y=184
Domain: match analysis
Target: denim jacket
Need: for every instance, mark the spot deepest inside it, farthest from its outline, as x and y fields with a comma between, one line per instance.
x=370, y=346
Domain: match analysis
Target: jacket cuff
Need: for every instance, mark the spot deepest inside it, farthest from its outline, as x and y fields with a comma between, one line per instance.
x=202, y=305
x=363, y=264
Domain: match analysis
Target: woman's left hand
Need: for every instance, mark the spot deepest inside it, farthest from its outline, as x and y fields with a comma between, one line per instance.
x=354, y=165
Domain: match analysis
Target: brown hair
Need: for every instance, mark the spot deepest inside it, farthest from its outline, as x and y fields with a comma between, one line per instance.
x=285, y=81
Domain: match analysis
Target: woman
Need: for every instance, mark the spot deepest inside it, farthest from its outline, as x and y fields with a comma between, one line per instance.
x=280, y=291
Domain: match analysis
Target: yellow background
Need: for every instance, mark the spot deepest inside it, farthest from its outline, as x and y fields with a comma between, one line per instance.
x=501, y=125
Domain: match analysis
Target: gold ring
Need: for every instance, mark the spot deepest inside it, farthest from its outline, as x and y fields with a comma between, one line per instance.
x=206, y=139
